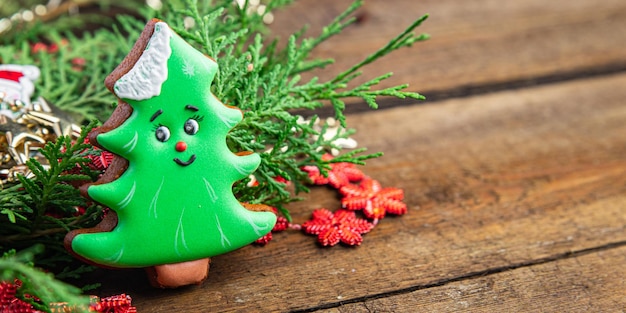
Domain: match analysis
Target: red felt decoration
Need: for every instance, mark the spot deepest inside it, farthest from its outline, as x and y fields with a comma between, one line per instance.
x=339, y=175
x=374, y=200
x=341, y=226
x=115, y=304
x=9, y=303
x=100, y=162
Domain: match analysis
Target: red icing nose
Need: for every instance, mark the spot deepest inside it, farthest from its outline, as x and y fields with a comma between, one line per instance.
x=181, y=146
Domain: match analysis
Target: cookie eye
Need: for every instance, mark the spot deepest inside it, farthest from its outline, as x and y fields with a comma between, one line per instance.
x=162, y=133
x=191, y=126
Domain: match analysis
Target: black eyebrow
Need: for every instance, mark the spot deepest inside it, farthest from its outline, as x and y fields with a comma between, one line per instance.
x=155, y=115
x=191, y=107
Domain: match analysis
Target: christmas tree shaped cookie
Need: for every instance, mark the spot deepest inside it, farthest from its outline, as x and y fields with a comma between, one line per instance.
x=170, y=186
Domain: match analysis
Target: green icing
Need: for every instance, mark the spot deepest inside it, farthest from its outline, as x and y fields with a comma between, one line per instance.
x=167, y=212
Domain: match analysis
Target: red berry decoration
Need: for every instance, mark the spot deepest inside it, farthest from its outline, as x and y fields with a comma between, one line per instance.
x=281, y=225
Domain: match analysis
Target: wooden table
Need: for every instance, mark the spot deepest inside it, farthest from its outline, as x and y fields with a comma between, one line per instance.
x=514, y=170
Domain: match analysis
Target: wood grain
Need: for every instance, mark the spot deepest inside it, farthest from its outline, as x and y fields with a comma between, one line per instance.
x=474, y=44
x=516, y=198
x=594, y=282
x=493, y=182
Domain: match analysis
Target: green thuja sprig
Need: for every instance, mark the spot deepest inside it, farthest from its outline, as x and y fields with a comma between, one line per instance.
x=39, y=284
x=42, y=207
x=265, y=83
x=51, y=190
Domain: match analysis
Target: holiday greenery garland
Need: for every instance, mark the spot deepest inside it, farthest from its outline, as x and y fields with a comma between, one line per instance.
x=255, y=75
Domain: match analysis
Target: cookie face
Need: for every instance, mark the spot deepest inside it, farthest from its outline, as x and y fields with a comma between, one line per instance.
x=174, y=201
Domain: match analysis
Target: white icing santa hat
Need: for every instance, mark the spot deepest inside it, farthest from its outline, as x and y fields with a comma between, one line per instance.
x=16, y=82
x=144, y=80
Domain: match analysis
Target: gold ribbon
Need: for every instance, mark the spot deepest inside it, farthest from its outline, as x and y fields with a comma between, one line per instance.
x=24, y=130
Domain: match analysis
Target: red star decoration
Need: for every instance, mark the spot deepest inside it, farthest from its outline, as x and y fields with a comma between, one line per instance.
x=374, y=200
x=339, y=175
x=331, y=228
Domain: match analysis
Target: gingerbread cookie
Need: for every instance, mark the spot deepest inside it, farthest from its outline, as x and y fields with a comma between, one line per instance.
x=171, y=186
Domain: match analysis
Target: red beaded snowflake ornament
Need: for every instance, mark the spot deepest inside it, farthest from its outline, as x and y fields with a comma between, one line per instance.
x=374, y=200
x=368, y=196
x=331, y=228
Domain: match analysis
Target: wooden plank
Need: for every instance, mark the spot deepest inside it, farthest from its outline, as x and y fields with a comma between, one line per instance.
x=492, y=181
x=593, y=282
x=475, y=43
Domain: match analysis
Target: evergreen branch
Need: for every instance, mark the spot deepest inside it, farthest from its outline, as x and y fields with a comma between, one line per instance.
x=48, y=192
x=335, y=27
x=404, y=39
x=36, y=283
